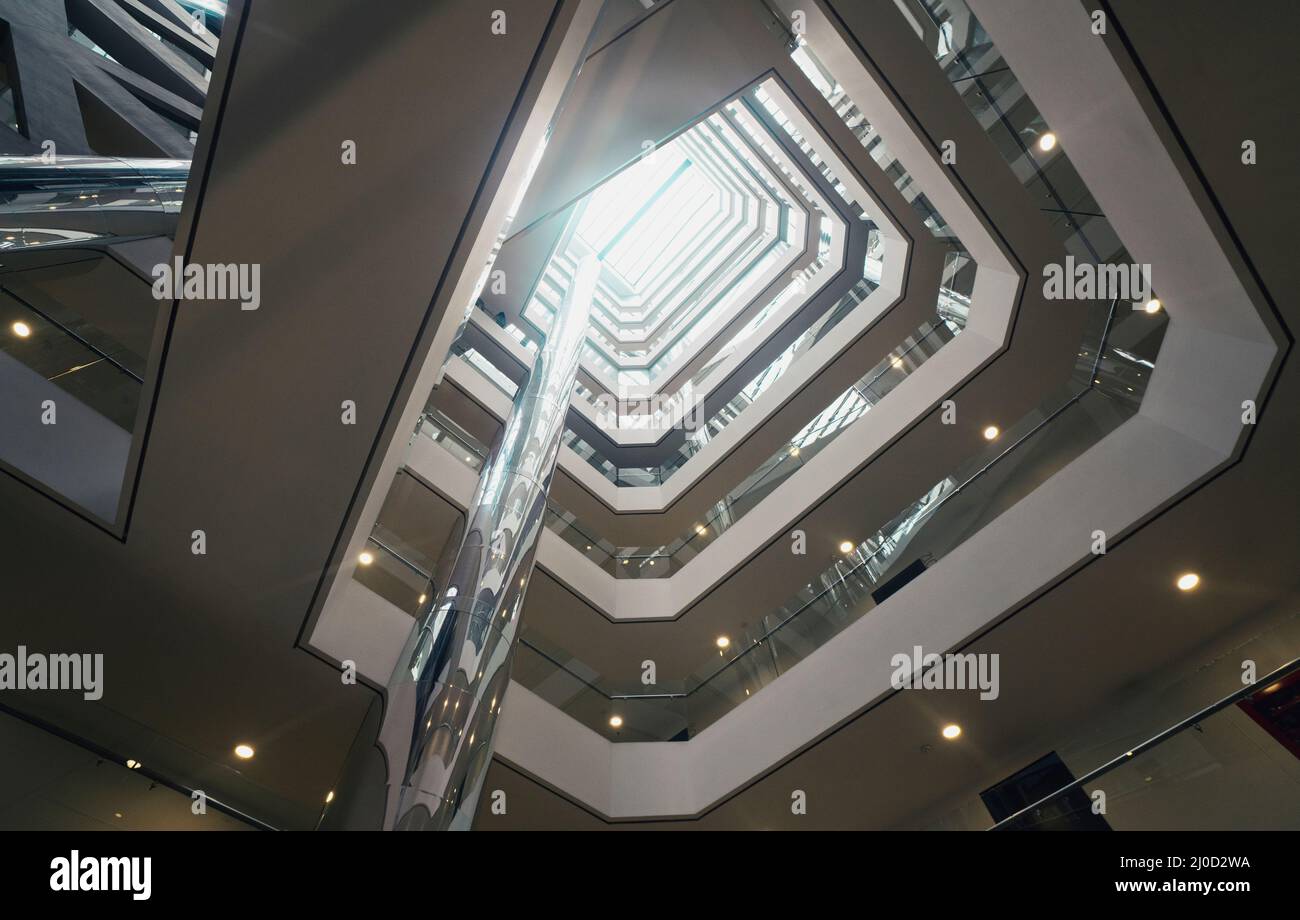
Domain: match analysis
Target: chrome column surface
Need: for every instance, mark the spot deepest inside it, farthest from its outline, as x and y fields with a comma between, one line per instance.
x=445, y=697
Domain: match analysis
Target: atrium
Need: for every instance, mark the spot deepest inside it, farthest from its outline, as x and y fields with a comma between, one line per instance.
x=648, y=415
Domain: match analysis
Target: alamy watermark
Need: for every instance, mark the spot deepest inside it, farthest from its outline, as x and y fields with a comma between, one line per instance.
x=38, y=671
x=1086, y=281
x=683, y=409
x=103, y=873
x=241, y=281
x=923, y=670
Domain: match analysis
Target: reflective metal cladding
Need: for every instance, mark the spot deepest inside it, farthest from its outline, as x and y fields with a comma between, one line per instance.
x=445, y=698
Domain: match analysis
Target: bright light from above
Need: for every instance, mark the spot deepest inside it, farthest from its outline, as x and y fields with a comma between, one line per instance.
x=615, y=721
x=1188, y=581
x=643, y=217
x=951, y=731
x=1047, y=142
x=991, y=432
x=846, y=547
x=366, y=558
x=133, y=765
x=21, y=329
x=330, y=797
x=244, y=751
x=723, y=641
x=1152, y=305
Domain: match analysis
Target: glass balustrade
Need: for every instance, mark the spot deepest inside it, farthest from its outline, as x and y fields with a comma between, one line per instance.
x=986, y=484
x=1228, y=765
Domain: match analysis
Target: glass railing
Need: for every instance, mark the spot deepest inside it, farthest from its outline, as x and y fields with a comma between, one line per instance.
x=856, y=401
x=80, y=386
x=438, y=428
x=396, y=571
x=993, y=94
x=958, y=506
x=1226, y=766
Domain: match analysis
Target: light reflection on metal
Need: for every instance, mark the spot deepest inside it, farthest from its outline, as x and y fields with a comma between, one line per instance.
x=443, y=699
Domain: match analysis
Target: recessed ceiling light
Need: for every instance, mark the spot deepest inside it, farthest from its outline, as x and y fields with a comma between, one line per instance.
x=133, y=765
x=951, y=731
x=615, y=721
x=897, y=362
x=1152, y=305
x=366, y=558
x=625, y=562
x=701, y=529
x=423, y=598
x=329, y=797
x=21, y=329
x=244, y=751
x=1047, y=142
x=1188, y=581
x=846, y=547
x=117, y=814
x=722, y=642
x=991, y=432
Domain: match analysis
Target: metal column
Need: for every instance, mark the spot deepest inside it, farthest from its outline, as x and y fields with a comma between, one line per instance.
x=444, y=699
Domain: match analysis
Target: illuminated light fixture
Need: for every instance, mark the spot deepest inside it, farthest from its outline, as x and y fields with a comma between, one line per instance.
x=897, y=362
x=366, y=558
x=423, y=598
x=625, y=562
x=701, y=529
x=117, y=814
x=244, y=751
x=329, y=797
x=652, y=562
x=1153, y=305
x=588, y=546
x=991, y=432
x=615, y=721
x=794, y=452
x=846, y=547
x=1047, y=142
x=133, y=765
x=1188, y=581
x=21, y=329
x=952, y=731
x=722, y=642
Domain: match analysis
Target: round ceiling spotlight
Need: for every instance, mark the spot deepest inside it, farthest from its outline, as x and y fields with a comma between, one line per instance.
x=991, y=432
x=615, y=721
x=244, y=751
x=1047, y=142
x=1188, y=581
x=952, y=731
x=722, y=642
x=1153, y=305
x=21, y=329
x=847, y=547
x=366, y=557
